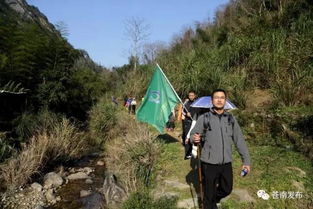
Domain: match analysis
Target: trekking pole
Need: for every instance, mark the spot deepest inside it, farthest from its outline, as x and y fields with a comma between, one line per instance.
x=200, y=174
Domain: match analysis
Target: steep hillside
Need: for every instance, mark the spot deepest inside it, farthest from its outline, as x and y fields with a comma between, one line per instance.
x=252, y=49
x=41, y=71
x=27, y=12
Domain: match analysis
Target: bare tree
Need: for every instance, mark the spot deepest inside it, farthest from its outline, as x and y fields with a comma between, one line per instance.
x=136, y=30
x=151, y=50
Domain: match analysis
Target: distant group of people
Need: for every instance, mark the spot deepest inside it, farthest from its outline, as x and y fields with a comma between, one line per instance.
x=130, y=103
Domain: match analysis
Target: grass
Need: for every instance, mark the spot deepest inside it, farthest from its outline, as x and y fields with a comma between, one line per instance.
x=270, y=173
x=144, y=200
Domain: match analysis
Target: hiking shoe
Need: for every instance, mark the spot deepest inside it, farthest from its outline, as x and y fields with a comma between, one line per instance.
x=187, y=157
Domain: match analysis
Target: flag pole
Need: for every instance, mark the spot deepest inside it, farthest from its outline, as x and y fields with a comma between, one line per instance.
x=171, y=86
x=169, y=82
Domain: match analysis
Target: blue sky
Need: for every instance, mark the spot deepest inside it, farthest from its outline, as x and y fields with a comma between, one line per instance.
x=98, y=26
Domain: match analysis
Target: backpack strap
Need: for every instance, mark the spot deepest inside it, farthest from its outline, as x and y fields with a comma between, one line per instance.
x=207, y=125
x=231, y=120
x=207, y=117
x=206, y=122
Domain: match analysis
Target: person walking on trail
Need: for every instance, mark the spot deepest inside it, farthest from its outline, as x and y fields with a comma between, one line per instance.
x=125, y=100
x=133, y=105
x=187, y=114
x=128, y=104
x=216, y=130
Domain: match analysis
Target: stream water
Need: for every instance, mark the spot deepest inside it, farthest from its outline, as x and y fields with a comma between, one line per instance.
x=70, y=193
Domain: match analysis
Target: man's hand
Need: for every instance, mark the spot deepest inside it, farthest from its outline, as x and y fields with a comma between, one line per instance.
x=196, y=138
x=187, y=141
x=188, y=114
x=246, y=167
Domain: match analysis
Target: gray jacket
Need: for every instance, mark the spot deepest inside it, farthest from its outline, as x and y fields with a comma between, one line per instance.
x=218, y=139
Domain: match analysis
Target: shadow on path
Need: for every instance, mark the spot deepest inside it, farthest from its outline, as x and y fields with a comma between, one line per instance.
x=167, y=138
x=192, y=179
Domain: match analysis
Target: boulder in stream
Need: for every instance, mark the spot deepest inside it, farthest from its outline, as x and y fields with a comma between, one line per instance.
x=52, y=180
x=50, y=196
x=78, y=175
x=113, y=193
x=94, y=201
x=36, y=186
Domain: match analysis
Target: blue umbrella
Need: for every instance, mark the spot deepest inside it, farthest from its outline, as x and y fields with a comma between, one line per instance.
x=206, y=102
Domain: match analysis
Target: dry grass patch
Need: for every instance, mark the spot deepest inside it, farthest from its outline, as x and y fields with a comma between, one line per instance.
x=61, y=143
x=133, y=154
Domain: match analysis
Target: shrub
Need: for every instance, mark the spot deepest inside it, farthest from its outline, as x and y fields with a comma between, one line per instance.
x=28, y=124
x=144, y=200
x=237, y=92
x=133, y=154
x=6, y=149
x=102, y=119
x=139, y=200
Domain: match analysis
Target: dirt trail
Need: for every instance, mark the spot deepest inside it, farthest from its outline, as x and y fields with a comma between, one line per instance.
x=179, y=177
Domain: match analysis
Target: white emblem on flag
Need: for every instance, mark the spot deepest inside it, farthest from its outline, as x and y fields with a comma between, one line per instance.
x=154, y=96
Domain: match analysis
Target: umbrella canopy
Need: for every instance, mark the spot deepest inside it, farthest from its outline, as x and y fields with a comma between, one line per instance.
x=206, y=102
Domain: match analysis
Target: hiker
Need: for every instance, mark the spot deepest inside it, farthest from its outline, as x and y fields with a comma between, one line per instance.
x=125, y=100
x=216, y=130
x=133, y=104
x=187, y=114
x=128, y=104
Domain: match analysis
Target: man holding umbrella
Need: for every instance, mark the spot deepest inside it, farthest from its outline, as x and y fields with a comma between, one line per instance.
x=216, y=130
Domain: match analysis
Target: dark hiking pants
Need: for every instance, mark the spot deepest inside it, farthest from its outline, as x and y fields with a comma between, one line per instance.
x=186, y=128
x=129, y=109
x=133, y=109
x=212, y=175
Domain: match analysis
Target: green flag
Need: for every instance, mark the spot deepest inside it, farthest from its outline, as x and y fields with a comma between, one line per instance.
x=159, y=101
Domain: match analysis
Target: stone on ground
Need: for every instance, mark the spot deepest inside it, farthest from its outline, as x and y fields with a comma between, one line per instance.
x=176, y=184
x=79, y=175
x=242, y=195
x=85, y=193
x=36, y=186
x=52, y=179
